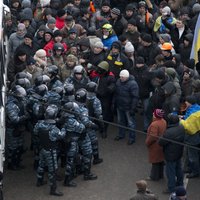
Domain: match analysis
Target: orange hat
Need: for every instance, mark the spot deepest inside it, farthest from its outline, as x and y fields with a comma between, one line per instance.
x=166, y=46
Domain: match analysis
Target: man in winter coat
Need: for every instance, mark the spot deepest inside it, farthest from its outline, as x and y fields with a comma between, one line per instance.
x=173, y=152
x=126, y=99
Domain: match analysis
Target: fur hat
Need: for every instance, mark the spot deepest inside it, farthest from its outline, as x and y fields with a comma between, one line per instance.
x=40, y=53
x=98, y=44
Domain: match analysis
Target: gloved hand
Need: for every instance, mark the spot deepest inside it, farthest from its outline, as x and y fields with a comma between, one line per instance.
x=23, y=118
x=94, y=126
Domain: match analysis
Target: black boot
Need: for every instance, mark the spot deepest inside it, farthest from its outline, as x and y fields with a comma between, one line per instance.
x=97, y=160
x=89, y=176
x=68, y=182
x=54, y=192
x=40, y=182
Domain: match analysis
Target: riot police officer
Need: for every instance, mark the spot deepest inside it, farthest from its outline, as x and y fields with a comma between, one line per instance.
x=47, y=134
x=95, y=110
x=54, y=78
x=74, y=130
x=84, y=142
x=16, y=119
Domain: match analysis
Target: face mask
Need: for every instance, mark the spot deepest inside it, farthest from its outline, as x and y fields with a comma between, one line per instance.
x=105, y=36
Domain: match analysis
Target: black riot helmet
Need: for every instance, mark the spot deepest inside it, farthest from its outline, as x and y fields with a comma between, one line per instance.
x=81, y=95
x=69, y=89
x=41, y=89
x=23, y=75
x=53, y=70
x=78, y=69
x=43, y=79
x=91, y=87
x=24, y=82
x=71, y=108
x=58, y=46
x=51, y=112
x=18, y=91
x=58, y=89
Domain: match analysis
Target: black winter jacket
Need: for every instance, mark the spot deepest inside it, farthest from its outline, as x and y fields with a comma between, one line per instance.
x=126, y=94
x=173, y=151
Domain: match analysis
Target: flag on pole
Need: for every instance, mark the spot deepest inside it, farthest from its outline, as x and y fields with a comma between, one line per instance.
x=196, y=42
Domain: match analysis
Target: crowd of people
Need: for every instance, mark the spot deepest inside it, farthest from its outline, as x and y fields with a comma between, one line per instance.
x=75, y=63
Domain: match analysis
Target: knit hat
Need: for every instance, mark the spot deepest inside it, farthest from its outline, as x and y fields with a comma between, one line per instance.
x=57, y=33
x=104, y=65
x=69, y=18
x=131, y=7
x=105, y=3
x=116, y=45
x=129, y=48
x=21, y=26
x=26, y=3
x=30, y=61
x=196, y=8
x=180, y=191
x=29, y=35
x=40, y=53
x=142, y=4
x=49, y=31
x=61, y=12
x=42, y=28
x=47, y=11
x=72, y=30
x=141, y=185
x=132, y=21
x=147, y=38
x=116, y=11
x=158, y=113
x=166, y=37
x=163, y=4
x=160, y=74
x=139, y=60
x=51, y=20
x=124, y=73
x=98, y=44
x=191, y=99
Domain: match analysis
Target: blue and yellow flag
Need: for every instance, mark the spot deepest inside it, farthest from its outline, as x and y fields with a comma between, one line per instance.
x=196, y=42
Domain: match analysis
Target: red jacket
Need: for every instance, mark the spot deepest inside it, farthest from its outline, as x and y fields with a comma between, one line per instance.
x=60, y=23
x=49, y=47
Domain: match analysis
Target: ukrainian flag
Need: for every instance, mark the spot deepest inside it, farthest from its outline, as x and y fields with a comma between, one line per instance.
x=196, y=41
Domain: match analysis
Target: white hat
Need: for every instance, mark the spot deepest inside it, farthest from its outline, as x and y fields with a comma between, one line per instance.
x=129, y=48
x=124, y=73
x=44, y=3
x=166, y=10
x=40, y=53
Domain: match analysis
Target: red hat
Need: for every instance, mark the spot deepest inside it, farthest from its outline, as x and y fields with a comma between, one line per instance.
x=158, y=113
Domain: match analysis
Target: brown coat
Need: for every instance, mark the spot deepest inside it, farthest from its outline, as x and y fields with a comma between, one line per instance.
x=156, y=128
